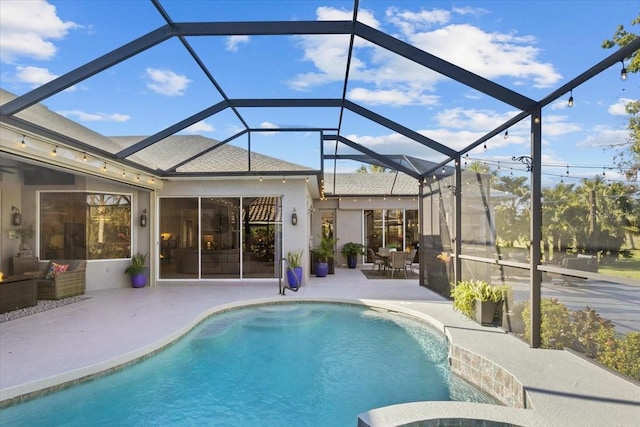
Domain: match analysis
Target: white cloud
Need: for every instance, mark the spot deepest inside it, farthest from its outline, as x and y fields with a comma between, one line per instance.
x=268, y=125
x=166, y=82
x=492, y=55
x=201, y=126
x=604, y=138
x=35, y=76
x=27, y=28
x=392, y=97
x=94, y=117
x=618, y=109
x=474, y=120
x=234, y=41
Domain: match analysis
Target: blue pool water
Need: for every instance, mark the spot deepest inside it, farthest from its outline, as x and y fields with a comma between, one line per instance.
x=275, y=365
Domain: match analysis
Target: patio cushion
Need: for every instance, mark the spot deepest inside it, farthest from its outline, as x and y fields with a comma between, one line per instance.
x=55, y=268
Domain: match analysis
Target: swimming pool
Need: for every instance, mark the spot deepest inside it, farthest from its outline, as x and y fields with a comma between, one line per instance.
x=302, y=364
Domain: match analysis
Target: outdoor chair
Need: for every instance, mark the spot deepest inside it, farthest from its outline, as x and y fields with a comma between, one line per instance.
x=398, y=262
x=411, y=257
x=376, y=260
x=68, y=283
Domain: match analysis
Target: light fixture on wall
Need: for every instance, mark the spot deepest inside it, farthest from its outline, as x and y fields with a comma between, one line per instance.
x=16, y=217
x=294, y=217
x=143, y=218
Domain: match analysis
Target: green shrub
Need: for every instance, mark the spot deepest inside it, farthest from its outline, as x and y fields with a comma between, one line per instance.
x=622, y=354
x=589, y=331
x=555, y=329
x=466, y=293
x=586, y=331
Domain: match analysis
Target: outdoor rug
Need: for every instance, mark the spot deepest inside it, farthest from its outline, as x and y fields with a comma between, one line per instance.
x=398, y=275
x=43, y=305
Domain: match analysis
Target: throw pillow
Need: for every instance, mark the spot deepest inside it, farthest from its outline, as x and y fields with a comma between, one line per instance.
x=55, y=268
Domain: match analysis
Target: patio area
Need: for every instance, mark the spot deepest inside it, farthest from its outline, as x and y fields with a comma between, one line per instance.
x=115, y=327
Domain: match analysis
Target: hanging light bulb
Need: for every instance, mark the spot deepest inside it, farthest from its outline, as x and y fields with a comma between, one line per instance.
x=571, y=99
x=84, y=157
x=506, y=134
x=138, y=178
x=443, y=172
x=498, y=166
x=623, y=72
x=484, y=147
x=260, y=179
x=567, y=170
x=24, y=144
x=54, y=152
x=284, y=179
x=104, y=168
x=124, y=173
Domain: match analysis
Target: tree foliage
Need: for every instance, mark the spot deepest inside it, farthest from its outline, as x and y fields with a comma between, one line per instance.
x=628, y=155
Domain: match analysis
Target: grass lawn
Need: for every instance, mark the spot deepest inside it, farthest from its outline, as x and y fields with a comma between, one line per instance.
x=624, y=267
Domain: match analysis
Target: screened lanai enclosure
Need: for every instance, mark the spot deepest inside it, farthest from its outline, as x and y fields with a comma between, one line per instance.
x=542, y=228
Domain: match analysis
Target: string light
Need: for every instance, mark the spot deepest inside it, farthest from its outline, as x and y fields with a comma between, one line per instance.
x=138, y=178
x=484, y=147
x=260, y=179
x=570, y=103
x=84, y=157
x=104, y=168
x=623, y=72
x=506, y=134
x=54, y=152
x=284, y=179
x=23, y=143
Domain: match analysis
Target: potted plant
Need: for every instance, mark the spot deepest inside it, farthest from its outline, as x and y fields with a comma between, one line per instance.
x=478, y=300
x=324, y=252
x=24, y=232
x=137, y=270
x=294, y=269
x=351, y=250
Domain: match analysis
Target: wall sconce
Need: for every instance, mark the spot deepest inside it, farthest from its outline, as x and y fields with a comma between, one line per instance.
x=16, y=217
x=294, y=217
x=143, y=218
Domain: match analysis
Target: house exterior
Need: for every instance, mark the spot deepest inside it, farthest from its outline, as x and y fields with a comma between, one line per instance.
x=232, y=225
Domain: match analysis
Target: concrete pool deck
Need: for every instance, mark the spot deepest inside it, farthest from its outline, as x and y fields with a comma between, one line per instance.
x=114, y=327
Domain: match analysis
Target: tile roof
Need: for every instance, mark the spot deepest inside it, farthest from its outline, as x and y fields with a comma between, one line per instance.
x=382, y=183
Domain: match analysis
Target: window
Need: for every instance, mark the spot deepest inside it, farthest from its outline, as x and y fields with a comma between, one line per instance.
x=79, y=225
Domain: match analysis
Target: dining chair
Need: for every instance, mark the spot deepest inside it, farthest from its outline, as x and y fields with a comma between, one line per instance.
x=376, y=260
x=398, y=262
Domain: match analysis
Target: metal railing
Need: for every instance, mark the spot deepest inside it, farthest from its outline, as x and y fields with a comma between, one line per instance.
x=282, y=287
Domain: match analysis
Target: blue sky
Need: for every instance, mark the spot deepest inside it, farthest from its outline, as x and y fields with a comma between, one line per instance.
x=531, y=47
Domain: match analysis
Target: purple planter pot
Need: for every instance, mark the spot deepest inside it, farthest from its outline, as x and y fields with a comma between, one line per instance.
x=294, y=277
x=322, y=268
x=139, y=280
